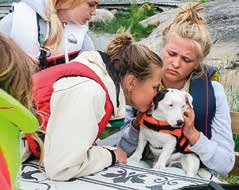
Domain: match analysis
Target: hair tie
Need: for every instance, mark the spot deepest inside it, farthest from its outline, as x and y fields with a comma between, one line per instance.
x=54, y=12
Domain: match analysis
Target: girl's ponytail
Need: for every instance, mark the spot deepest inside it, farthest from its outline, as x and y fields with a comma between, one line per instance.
x=56, y=28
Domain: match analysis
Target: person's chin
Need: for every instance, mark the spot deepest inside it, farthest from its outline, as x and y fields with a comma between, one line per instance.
x=86, y=20
x=143, y=109
x=81, y=22
x=171, y=76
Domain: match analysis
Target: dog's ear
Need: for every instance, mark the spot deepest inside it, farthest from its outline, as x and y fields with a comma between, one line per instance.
x=160, y=95
x=189, y=99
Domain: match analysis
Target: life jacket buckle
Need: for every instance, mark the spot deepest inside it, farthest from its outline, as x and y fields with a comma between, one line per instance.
x=46, y=50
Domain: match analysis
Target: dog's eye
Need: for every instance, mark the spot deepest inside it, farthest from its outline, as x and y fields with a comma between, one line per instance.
x=170, y=105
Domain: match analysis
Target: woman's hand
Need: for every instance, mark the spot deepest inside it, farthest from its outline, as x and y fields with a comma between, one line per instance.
x=189, y=129
x=121, y=156
x=135, y=122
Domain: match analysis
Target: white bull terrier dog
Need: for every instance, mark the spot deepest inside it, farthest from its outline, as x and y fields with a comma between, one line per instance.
x=163, y=130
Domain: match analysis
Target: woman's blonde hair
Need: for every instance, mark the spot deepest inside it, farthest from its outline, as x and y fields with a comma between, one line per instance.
x=191, y=25
x=129, y=57
x=16, y=70
x=53, y=42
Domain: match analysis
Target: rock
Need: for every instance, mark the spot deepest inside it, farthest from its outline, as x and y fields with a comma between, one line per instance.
x=102, y=15
x=223, y=21
x=100, y=39
x=234, y=64
x=222, y=17
x=160, y=17
x=154, y=39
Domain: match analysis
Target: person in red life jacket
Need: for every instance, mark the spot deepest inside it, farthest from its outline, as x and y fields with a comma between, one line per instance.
x=50, y=31
x=186, y=42
x=16, y=70
x=77, y=100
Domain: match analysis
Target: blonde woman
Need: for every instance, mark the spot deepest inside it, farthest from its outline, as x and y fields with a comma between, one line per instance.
x=52, y=31
x=16, y=71
x=186, y=42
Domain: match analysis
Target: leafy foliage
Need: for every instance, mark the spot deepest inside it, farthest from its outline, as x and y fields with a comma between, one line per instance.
x=236, y=140
x=109, y=131
x=230, y=179
x=203, y=1
x=236, y=137
x=129, y=20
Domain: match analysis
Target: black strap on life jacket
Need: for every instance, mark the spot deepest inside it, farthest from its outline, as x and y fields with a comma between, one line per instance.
x=158, y=127
x=181, y=147
x=113, y=74
x=44, y=61
x=43, y=51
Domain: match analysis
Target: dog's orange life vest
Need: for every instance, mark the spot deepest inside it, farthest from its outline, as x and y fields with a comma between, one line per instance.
x=163, y=126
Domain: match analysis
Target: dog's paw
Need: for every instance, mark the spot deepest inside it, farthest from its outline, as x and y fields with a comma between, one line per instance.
x=191, y=174
x=159, y=167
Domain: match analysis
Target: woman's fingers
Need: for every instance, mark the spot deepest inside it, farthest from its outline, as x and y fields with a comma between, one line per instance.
x=188, y=120
x=121, y=156
x=189, y=114
x=189, y=129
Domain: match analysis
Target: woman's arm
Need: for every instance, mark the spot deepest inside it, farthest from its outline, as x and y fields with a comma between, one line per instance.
x=77, y=106
x=129, y=134
x=217, y=153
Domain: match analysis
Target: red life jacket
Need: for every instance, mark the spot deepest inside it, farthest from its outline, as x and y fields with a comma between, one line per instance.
x=45, y=62
x=162, y=126
x=5, y=179
x=43, y=87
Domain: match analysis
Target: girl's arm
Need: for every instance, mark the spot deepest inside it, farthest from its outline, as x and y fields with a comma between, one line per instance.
x=129, y=134
x=77, y=106
x=217, y=153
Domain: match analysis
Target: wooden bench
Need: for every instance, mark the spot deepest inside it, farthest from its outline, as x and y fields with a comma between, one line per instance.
x=235, y=131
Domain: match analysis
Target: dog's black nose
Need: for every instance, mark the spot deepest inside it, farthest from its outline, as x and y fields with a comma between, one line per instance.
x=179, y=122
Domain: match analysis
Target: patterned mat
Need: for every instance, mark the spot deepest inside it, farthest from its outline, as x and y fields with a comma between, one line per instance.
x=119, y=177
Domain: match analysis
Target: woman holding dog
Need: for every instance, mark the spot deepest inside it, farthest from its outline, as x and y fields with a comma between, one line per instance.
x=186, y=42
x=50, y=31
x=84, y=95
